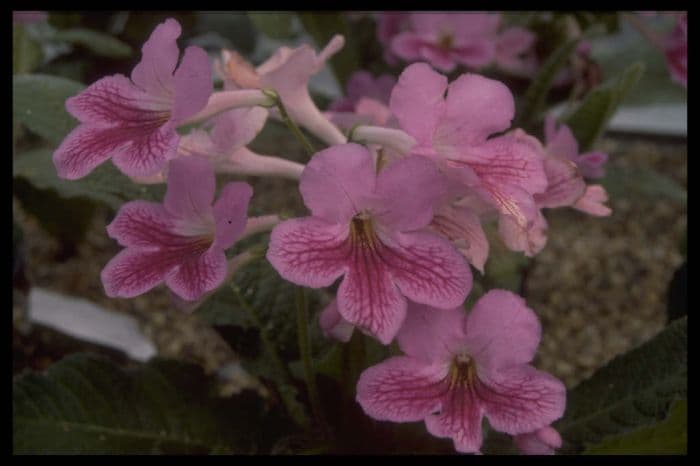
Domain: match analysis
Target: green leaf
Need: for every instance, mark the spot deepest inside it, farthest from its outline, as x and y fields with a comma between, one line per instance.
x=95, y=41
x=533, y=102
x=86, y=404
x=668, y=437
x=631, y=391
x=322, y=27
x=105, y=184
x=26, y=52
x=38, y=101
x=274, y=25
x=644, y=181
x=591, y=117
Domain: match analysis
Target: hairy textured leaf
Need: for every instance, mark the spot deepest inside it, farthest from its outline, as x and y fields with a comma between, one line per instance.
x=536, y=94
x=38, y=101
x=322, y=27
x=633, y=390
x=95, y=41
x=589, y=120
x=86, y=404
x=277, y=25
x=668, y=437
x=106, y=184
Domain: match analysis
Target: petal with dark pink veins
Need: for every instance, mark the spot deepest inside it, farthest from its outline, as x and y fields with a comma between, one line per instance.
x=460, y=420
x=144, y=225
x=401, y=389
x=147, y=151
x=427, y=268
x=521, y=399
x=198, y=275
x=309, y=251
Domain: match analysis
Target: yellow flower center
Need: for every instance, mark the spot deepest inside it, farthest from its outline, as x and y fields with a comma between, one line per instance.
x=462, y=371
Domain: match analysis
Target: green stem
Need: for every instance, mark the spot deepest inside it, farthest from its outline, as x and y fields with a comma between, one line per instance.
x=290, y=123
x=305, y=353
x=280, y=367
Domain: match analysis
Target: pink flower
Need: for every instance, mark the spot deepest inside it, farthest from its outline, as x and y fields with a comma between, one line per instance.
x=333, y=325
x=288, y=72
x=134, y=121
x=503, y=171
x=365, y=227
x=676, y=50
x=362, y=85
x=543, y=441
x=562, y=144
x=448, y=39
x=180, y=242
x=458, y=369
x=515, y=51
x=389, y=25
x=462, y=226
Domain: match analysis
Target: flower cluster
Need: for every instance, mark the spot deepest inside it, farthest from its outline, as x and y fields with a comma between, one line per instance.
x=396, y=211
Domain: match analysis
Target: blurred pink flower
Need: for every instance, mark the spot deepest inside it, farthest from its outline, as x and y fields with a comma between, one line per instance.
x=561, y=144
x=389, y=25
x=543, y=441
x=134, y=121
x=676, y=50
x=459, y=368
x=363, y=85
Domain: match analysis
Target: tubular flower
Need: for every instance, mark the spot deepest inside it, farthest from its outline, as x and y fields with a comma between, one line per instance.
x=180, y=242
x=134, y=121
x=458, y=369
x=561, y=143
x=504, y=171
x=445, y=40
x=363, y=227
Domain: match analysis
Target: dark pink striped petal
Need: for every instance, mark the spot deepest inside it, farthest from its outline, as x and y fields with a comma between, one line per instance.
x=427, y=269
x=84, y=149
x=148, y=149
x=309, y=251
x=198, y=275
x=135, y=271
x=144, y=225
x=460, y=420
x=401, y=389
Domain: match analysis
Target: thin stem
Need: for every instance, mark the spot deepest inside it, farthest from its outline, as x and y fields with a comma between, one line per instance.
x=305, y=353
x=290, y=123
x=271, y=351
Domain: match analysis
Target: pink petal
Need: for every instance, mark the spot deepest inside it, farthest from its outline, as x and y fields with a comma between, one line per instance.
x=430, y=334
x=520, y=399
x=135, y=271
x=543, y=441
x=514, y=41
x=417, y=101
x=309, y=251
x=401, y=389
x=237, y=128
x=399, y=211
x=469, y=25
x=427, y=269
x=561, y=143
x=565, y=185
x=378, y=113
x=337, y=181
x=476, y=108
x=198, y=275
x=460, y=420
x=592, y=201
x=147, y=152
x=191, y=185
x=115, y=101
x=368, y=298
x=462, y=226
x=407, y=45
x=231, y=213
x=192, y=83
x=333, y=324
x=84, y=149
x=442, y=59
x=530, y=239
x=476, y=53
x=143, y=224
x=432, y=24
x=591, y=164
x=154, y=73
x=502, y=331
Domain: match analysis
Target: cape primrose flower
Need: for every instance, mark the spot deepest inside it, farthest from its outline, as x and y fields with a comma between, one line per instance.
x=134, y=121
x=366, y=227
x=459, y=368
x=180, y=242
